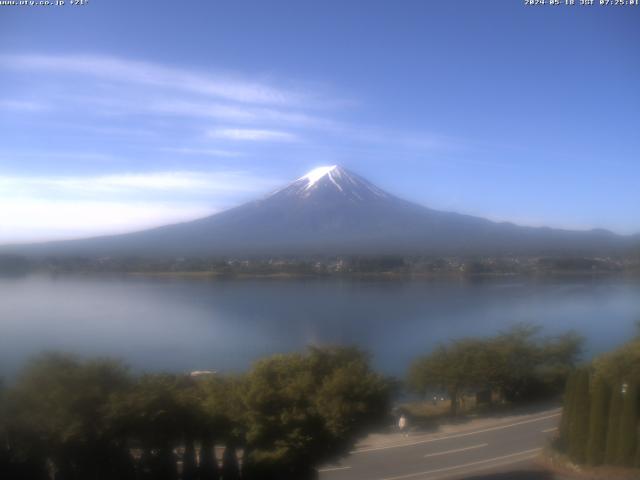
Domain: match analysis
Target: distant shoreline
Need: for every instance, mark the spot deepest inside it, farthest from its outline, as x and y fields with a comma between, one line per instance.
x=377, y=275
x=384, y=267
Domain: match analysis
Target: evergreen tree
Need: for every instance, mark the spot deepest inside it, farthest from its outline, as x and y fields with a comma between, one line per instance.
x=567, y=410
x=613, y=428
x=600, y=397
x=628, y=426
x=579, y=419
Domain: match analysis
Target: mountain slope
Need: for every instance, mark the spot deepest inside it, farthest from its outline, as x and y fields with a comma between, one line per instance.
x=333, y=211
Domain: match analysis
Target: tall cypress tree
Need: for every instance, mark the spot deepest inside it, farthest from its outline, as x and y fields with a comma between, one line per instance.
x=567, y=410
x=598, y=417
x=628, y=427
x=613, y=428
x=579, y=420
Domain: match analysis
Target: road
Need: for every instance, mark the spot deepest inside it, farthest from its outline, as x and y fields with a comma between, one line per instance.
x=500, y=451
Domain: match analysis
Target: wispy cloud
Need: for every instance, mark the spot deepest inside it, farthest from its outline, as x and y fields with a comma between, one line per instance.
x=146, y=73
x=111, y=90
x=207, y=152
x=252, y=135
x=239, y=113
x=22, y=105
x=58, y=156
x=191, y=182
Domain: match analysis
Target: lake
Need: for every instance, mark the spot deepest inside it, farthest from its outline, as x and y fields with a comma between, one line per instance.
x=191, y=324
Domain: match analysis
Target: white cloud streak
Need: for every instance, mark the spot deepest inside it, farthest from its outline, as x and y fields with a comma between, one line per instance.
x=252, y=135
x=239, y=113
x=145, y=73
x=207, y=152
x=130, y=87
x=22, y=105
x=191, y=182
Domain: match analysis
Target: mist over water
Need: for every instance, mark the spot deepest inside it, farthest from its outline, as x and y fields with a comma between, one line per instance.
x=183, y=325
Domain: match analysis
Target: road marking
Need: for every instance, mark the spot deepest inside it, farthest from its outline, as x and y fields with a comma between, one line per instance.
x=550, y=430
x=478, y=468
x=457, y=435
x=456, y=450
x=465, y=465
x=332, y=469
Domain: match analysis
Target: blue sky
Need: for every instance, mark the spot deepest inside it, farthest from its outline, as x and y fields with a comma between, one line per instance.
x=119, y=115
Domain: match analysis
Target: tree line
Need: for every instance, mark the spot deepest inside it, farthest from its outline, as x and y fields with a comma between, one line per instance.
x=72, y=419
x=317, y=265
x=515, y=366
x=66, y=418
x=601, y=415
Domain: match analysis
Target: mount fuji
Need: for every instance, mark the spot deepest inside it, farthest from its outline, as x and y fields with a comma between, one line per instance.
x=331, y=210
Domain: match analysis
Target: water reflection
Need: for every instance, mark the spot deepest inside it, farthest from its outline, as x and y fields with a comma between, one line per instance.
x=180, y=324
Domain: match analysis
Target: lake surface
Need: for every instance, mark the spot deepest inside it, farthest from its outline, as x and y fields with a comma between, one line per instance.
x=183, y=325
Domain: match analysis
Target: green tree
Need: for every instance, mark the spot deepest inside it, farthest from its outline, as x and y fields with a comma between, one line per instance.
x=224, y=420
x=619, y=367
x=22, y=451
x=558, y=358
x=63, y=401
x=4, y=434
x=305, y=409
x=600, y=396
x=516, y=363
x=621, y=364
x=567, y=411
x=350, y=396
x=456, y=368
x=613, y=425
x=159, y=413
x=438, y=370
x=519, y=356
x=579, y=418
x=628, y=426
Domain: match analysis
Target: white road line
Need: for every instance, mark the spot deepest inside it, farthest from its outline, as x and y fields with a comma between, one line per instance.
x=465, y=465
x=456, y=450
x=332, y=469
x=550, y=430
x=479, y=468
x=458, y=435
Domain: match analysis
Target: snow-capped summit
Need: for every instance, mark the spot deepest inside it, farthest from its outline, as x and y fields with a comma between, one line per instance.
x=316, y=174
x=333, y=180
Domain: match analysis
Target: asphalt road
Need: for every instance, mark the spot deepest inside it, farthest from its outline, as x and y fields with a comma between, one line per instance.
x=501, y=451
